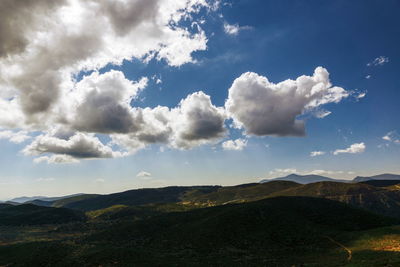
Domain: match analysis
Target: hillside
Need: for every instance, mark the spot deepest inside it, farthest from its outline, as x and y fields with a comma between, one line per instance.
x=28, y=214
x=237, y=194
x=283, y=231
x=172, y=194
x=375, y=199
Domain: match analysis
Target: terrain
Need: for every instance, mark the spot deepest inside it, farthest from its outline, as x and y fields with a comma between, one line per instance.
x=277, y=223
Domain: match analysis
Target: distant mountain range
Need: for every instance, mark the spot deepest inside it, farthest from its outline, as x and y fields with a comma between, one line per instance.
x=25, y=199
x=307, y=179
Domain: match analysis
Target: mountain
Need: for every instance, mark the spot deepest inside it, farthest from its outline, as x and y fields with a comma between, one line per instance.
x=303, y=179
x=28, y=214
x=385, y=176
x=42, y=198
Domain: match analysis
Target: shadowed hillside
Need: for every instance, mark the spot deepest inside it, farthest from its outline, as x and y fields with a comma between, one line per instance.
x=28, y=214
x=283, y=231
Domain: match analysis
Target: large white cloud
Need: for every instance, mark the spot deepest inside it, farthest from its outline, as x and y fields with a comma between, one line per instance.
x=44, y=43
x=264, y=108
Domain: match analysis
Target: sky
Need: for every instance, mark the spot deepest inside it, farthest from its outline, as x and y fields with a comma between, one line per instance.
x=105, y=96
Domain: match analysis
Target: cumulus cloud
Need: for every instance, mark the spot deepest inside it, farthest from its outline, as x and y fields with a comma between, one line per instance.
x=379, y=61
x=264, y=108
x=77, y=146
x=353, y=149
x=197, y=121
x=238, y=144
x=15, y=137
x=45, y=43
x=317, y=153
x=101, y=103
x=52, y=59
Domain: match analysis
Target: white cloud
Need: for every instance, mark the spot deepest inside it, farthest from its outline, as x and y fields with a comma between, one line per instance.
x=353, y=149
x=77, y=146
x=368, y=77
x=55, y=159
x=238, y=144
x=15, y=137
x=234, y=29
x=392, y=136
x=144, y=175
x=379, y=61
x=45, y=43
x=317, y=153
x=264, y=108
x=283, y=171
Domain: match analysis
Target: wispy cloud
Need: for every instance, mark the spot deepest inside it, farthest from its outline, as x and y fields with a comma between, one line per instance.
x=379, y=61
x=234, y=29
x=317, y=153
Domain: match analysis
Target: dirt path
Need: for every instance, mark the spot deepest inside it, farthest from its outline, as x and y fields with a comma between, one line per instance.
x=349, y=253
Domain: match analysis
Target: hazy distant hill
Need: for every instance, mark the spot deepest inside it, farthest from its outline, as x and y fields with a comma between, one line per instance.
x=28, y=214
x=385, y=176
x=303, y=179
x=42, y=198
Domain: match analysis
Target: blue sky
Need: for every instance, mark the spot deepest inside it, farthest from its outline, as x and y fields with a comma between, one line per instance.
x=355, y=41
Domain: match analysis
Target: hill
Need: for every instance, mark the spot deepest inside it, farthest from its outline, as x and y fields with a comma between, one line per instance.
x=385, y=176
x=28, y=214
x=237, y=194
x=172, y=194
x=382, y=183
x=379, y=200
x=303, y=179
x=282, y=231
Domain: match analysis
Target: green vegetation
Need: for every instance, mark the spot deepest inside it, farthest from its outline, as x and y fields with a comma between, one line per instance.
x=279, y=223
x=29, y=214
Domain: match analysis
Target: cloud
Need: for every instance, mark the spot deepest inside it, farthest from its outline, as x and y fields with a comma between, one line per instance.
x=101, y=103
x=353, y=149
x=317, y=153
x=197, y=121
x=283, y=171
x=15, y=137
x=368, y=77
x=392, y=136
x=238, y=144
x=234, y=29
x=379, y=61
x=144, y=175
x=44, y=44
x=75, y=147
x=264, y=108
